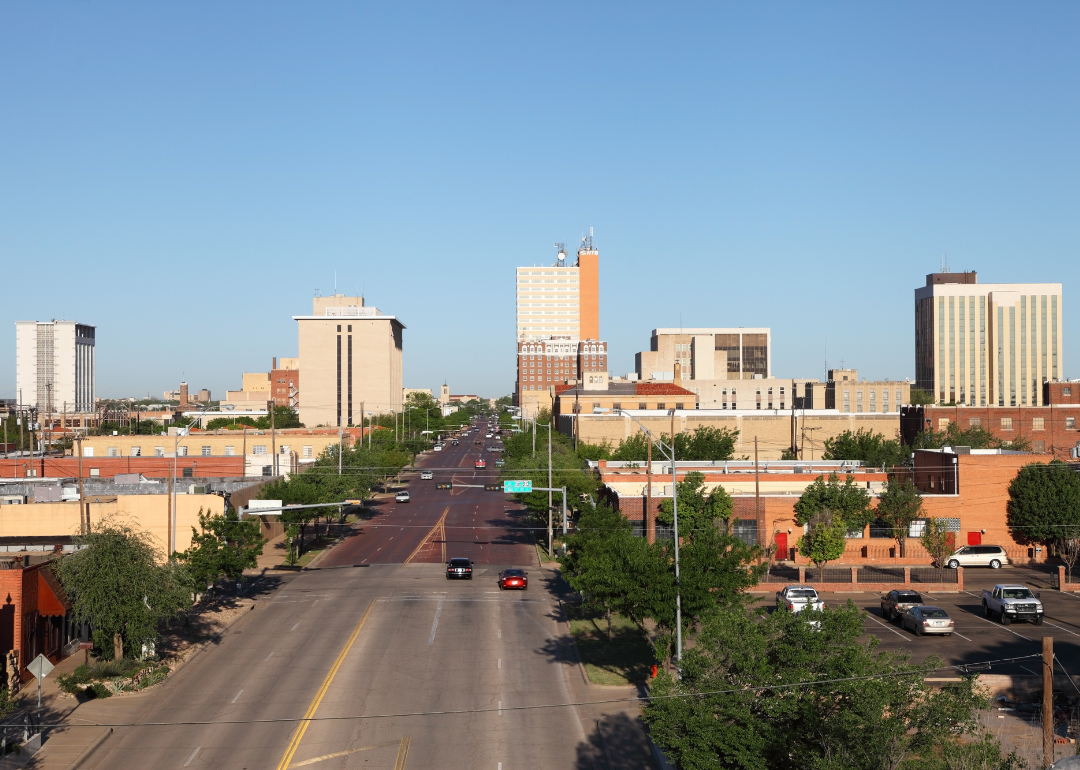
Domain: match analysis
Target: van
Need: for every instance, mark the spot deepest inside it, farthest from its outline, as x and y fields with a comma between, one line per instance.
x=992, y=556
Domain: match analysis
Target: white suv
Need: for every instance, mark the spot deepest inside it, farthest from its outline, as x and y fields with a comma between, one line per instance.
x=992, y=556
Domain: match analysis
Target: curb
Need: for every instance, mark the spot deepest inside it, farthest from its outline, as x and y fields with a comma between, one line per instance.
x=85, y=754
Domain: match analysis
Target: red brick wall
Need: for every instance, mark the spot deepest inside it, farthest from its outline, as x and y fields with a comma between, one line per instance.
x=1061, y=392
x=1057, y=438
x=108, y=467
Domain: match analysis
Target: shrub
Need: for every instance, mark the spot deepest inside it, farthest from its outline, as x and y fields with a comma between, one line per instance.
x=74, y=682
x=97, y=690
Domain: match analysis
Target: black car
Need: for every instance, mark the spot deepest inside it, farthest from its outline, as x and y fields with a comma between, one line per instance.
x=459, y=568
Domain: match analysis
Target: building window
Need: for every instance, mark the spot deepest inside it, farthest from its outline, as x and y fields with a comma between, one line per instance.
x=943, y=423
x=678, y=406
x=268, y=470
x=642, y=405
x=112, y=452
x=1006, y=423
x=885, y=400
x=308, y=451
x=975, y=422
x=1038, y=423
x=858, y=401
x=188, y=473
x=847, y=400
x=259, y=449
x=1038, y=447
x=181, y=451
x=661, y=405
x=136, y=451
x=284, y=450
x=873, y=400
x=230, y=451
x=205, y=451
x=159, y=451
x=1070, y=423
x=94, y=473
x=616, y=405
x=1066, y=391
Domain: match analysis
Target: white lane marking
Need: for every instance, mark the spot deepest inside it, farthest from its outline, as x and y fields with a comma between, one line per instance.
x=315, y=602
x=237, y=697
x=500, y=633
x=995, y=625
x=1061, y=627
x=500, y=663
x=268, y=656
x=500, y=713
x=296, y=626
x=1028, y=670
x=871, y=617
x=962, y=636
x=435, y=625
x=192, y=756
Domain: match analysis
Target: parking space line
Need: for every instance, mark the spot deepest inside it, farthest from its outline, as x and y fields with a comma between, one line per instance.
x=1062, y=628
x=995, y=625
x=871, y=617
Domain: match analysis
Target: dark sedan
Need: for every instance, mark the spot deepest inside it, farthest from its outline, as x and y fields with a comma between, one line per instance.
x=459, y=569
x=896, y=603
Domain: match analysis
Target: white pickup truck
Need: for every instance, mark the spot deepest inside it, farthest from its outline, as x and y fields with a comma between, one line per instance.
x=1012, y=602
x=798, y=598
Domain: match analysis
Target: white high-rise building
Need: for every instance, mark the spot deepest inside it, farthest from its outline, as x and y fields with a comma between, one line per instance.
x=54, y=366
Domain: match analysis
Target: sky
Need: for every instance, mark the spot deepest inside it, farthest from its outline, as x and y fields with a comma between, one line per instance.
x=187, y=176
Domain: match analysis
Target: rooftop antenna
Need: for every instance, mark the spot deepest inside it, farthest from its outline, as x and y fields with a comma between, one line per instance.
x=335, y=282
x=561, y=248
x=945, y=263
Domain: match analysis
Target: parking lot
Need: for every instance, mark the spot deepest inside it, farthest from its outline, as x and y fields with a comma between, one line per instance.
x=976, y=639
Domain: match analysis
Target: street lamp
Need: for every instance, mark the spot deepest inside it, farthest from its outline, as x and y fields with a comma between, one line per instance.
x=669, y=452
x=182, y=432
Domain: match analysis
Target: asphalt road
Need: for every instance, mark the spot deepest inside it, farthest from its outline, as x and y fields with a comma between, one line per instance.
x=393, y=665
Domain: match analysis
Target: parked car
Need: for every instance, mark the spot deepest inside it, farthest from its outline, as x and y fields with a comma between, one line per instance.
x=481, y=464
x=927, y=620
x=1012, y=602
x=513, y=578
x=426, y=475
x=896, y=603
x=460, y=569
x=798, y=598
x=992, y=556
x=402, y=497
x=438, y=447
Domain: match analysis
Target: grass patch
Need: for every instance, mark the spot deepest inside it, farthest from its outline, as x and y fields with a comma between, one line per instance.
x=624, y=659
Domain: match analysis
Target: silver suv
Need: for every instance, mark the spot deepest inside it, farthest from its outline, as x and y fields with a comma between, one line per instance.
x=992, y=556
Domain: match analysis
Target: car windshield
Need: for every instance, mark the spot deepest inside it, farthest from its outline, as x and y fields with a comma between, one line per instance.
x=459, y=562
x=910, y=598
x=514, y=573
x=1016, y=593
x=802, y=593
x=933, y=612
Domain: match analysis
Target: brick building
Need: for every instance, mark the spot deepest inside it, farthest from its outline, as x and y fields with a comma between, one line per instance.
x=1052, y=430
x=35, y=618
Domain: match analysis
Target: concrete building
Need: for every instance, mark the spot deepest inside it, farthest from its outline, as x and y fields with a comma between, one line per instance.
x=55, y=366
x=1052, y=430
x=845, y=393
x=352, y=357
x=561, y=299
x=707, y=354
x=992, y=344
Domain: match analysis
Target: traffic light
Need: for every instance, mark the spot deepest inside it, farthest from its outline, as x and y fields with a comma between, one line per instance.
x=493, y=487
x=445, y=485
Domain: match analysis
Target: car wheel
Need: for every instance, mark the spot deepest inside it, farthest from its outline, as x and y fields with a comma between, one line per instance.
x=918, y=630
x=1039, y=620
x=949, y=634
x=1005, y=619
x=987, y=611
x=995, y=564
x=953, y=564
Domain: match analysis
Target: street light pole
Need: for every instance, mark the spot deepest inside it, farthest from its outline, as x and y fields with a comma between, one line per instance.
x=669, y=451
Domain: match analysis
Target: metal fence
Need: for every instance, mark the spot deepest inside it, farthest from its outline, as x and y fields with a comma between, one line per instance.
x=933, y=575
x=881, y=574
x=779, y=573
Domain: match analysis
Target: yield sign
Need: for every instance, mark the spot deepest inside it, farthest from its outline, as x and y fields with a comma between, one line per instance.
x=40, y=667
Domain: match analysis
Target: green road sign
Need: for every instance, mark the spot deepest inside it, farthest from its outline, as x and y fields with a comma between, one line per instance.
x=517, y=487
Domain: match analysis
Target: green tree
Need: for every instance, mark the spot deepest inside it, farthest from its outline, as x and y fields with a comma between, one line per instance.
x=705, y=443
x=634, y=448
x=846, y=501
x=775, y=692
x=697, y=510
x=121, y=585
x=899, y=505
x=1044, y=508
x=975, y=437
x=825, y=538
x=938, y=541
x=222, y=547
x=871, y=448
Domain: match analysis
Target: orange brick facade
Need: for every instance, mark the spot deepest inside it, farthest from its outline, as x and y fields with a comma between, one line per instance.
x=33, y=619
x=108, y=467
x=1052, y=430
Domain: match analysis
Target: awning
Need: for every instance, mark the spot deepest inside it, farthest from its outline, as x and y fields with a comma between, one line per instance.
x=52, y=599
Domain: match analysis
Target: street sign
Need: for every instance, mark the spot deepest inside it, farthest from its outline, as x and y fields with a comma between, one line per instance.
x=40, y=667
x=517, y=487
x=446, y=485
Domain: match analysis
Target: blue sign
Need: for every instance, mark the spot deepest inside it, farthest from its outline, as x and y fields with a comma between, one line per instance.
x=517, y=487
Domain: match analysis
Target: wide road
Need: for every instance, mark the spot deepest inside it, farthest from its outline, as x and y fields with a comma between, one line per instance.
x=439, y=524
x=381, y=666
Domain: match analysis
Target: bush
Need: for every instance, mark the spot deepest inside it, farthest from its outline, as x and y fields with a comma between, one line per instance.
x=97, y=690
x=75, y=681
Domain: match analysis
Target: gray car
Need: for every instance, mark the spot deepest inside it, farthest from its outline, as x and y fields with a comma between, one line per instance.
x=927, y=620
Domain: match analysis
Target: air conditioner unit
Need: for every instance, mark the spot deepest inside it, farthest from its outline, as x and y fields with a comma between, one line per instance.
x=197, y=489
x=12, y=499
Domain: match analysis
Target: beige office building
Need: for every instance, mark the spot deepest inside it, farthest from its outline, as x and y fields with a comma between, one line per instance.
x=55, y=366
x=351, y=358
x=992, y=344
x=560, y=300
x=707, y=354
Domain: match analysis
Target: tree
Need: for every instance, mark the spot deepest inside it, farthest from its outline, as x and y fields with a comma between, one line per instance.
x=846, y=501
x=938, y=541
x=899, y=505
x=1044, y=507
x=975, y=437
x=825, y=538
x=776, y=692
x=697, y=511
x=121, y=585
x=705, y=443
x=224, y=548
x=871, y=448
x=920, y=397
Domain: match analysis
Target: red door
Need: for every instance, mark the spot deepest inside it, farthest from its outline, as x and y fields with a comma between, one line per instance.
x=974, y=538
x=781, y=545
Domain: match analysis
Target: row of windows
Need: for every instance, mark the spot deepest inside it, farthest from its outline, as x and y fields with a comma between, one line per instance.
x=1037, y=423
x=206, y=451
x=872, y=400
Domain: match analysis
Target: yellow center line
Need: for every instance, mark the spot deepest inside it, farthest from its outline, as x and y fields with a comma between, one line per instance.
x=302, y=727
x=402, y=753
x=434, y=531
x=343, y=753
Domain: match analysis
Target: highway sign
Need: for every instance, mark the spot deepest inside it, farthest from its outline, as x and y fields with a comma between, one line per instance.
x=447, y=485
x=516, y=487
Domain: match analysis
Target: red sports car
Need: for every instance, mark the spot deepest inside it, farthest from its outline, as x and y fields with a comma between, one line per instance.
x=481, y=463
x=514, y=578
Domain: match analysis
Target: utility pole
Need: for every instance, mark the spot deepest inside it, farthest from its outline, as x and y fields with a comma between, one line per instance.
x=551, y=539
x=169, y=517
x=273, y=437
x=757, y=485
x=1048, y=700
x=794, y=444
x=244, y=450
x=339, y=446
x=650, y=517
x=82, y=505
x=362, y=419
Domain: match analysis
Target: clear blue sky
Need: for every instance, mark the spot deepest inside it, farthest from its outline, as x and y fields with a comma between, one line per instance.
x=186, y=175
